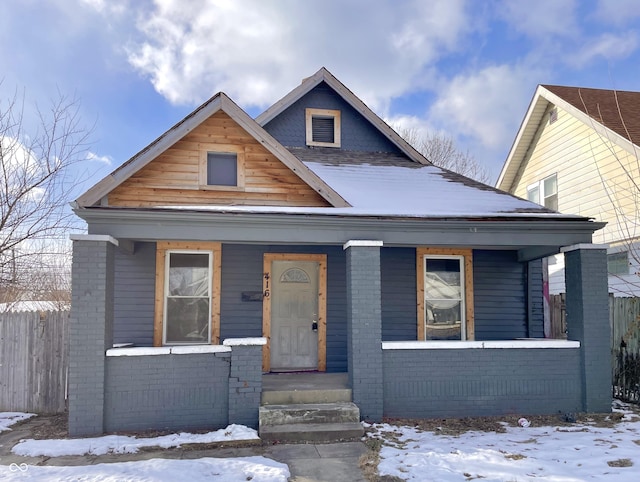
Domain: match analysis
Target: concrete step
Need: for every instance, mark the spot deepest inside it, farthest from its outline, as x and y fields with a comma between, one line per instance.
x=287, y=397
x=312, y=432
x=310, y=413
x=310, y=422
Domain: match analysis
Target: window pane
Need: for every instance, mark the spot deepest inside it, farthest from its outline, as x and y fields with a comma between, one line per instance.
x=533, y=195
x=618, y=263
x=443, y=278
x=443, y=294
x=188, y=274
x=444, y=323
x=550, y=186
x=222, y=169
x=187, y=320
x=551, y=202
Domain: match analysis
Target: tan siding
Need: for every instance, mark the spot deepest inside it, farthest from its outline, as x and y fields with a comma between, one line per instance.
x=591, y=175
x=173, y=177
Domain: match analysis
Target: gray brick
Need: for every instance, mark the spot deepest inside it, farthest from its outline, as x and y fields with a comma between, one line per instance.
x=364, y=329
x=90, y=334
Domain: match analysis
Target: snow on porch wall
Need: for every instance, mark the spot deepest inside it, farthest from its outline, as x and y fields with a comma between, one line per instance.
x=424, y=383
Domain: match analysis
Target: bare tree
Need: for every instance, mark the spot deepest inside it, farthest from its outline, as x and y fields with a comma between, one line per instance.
x=442, y=151
x=37, y=180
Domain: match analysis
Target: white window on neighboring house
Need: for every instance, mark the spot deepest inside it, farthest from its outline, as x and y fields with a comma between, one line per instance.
x=322, y=127
x=544, y=192
x=618, y=263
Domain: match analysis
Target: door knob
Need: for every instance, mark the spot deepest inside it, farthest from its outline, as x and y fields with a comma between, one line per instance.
x=314, y=326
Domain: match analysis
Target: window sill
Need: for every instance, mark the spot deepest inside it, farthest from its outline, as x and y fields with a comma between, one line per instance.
x=461, y=345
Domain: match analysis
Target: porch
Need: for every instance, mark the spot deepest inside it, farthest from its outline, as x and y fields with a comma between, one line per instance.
x=429, y=379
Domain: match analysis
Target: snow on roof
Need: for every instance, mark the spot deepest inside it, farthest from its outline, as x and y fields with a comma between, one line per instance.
x=391, y=185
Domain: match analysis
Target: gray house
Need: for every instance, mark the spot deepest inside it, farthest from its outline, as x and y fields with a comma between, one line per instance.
x=313, y=239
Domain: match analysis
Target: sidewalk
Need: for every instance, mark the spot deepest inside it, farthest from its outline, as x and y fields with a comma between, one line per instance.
x=332, y=462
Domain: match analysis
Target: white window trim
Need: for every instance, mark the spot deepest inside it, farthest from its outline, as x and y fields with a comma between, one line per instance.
x=166, y=291
x=310, y=114
x=540, y=186
x=204, y=149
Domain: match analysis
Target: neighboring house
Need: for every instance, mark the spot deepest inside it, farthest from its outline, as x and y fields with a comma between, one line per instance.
x=577, y=151
x=314, y=238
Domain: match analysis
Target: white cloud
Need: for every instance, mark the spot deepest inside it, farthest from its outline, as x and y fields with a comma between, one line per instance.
x=106, y=6
x=608, y=46
x=617, y=12
x=487, y=105
x=92, y=156
x=254, y=50
x=541, y=19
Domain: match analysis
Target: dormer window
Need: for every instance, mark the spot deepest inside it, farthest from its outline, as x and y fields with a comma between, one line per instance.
x=323, y=127
x=221, y=167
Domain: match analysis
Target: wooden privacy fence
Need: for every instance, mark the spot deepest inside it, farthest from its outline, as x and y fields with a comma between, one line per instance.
x=625, y=347
x=34, y=357
x=624, y=319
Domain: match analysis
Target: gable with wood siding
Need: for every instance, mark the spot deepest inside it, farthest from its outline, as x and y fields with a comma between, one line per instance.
x=173, y=178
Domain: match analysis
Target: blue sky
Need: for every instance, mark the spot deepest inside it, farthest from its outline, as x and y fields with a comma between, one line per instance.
x=467, y=68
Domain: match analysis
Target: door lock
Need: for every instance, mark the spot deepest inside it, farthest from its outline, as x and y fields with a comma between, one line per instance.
x=314, y=326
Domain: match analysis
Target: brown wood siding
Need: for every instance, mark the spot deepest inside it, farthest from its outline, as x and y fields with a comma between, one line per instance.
x=173, y=177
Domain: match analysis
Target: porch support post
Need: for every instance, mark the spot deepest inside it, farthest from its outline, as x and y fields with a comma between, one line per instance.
x=90, y=330
x=364, y=327
x=587, y=308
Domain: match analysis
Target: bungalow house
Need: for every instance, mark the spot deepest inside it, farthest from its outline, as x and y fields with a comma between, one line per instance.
x=577, y=152
x=313, y=239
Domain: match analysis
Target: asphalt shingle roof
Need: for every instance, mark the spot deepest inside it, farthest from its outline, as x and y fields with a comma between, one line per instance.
x=618, y=110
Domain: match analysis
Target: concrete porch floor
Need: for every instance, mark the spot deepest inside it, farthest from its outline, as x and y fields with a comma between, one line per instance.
x=304, y=381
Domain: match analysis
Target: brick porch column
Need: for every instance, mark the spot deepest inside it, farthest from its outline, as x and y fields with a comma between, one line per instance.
x=364, y=327
x=587, y=308
x=90, y=330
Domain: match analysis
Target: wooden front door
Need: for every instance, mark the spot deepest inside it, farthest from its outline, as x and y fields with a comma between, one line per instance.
x=294, y=312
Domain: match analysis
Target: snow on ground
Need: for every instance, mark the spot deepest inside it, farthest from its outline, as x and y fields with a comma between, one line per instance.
x=241, y=469
x=579, y=452
x=9, y=418
x=121, y=444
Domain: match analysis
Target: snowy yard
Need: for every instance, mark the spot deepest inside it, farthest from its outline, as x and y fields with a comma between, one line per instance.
x=563, y=453
x=600, y=449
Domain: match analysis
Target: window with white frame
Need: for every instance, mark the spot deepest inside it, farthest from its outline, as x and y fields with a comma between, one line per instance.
x=444, y=301
x=322, y=127
x=445, y=293
x=618, y=263
x=187, y=297
x=544, y=192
